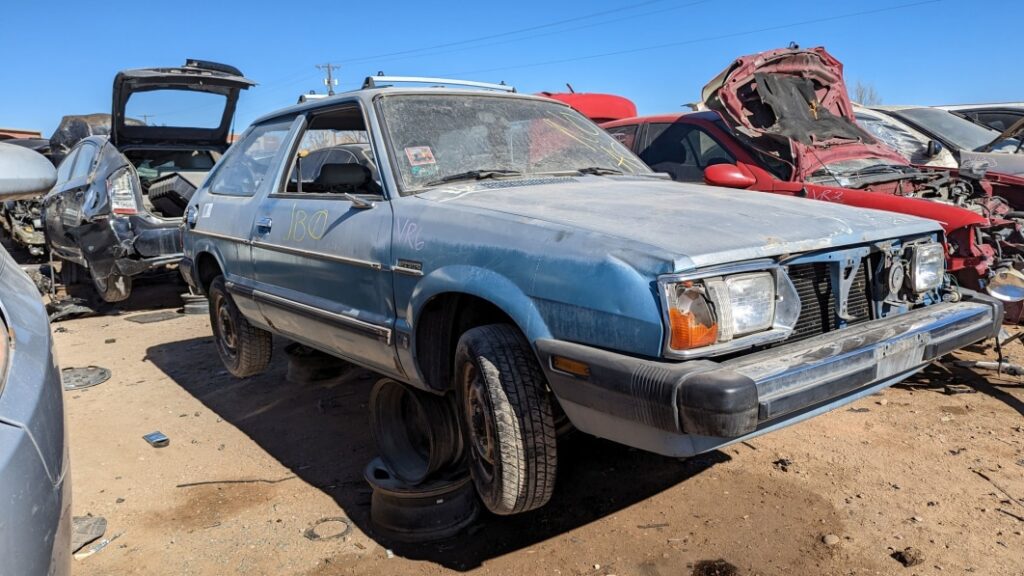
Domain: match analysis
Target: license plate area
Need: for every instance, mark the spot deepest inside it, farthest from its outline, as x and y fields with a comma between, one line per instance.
x=900, y=355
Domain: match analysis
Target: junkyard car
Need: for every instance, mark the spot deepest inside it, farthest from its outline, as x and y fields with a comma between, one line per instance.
x=975, y=146
x=116, y=209
x=502, y=249
x=22, y=218
x=35, y=485
x=782, y=122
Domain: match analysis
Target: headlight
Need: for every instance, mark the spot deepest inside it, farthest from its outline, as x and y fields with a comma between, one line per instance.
x=717, y=310
x=751, y=302
x=927, y=266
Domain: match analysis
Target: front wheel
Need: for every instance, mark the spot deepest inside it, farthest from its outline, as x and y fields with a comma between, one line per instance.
x=244, y=348
x=507, y=419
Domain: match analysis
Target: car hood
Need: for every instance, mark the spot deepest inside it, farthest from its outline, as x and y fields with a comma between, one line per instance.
x=696, y=225
x=195, y=75
x=796, y=100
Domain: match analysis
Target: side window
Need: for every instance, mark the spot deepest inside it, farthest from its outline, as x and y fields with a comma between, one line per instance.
x=64, y=170
x=334, y=156
x=626, y=135
x=668, y=150
x=683, y=151
x=83, y=160
x=998, y=120
x=249, y=161
x=707, y=150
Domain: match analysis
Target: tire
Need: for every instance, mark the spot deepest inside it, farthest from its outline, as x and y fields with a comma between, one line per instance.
x=113, y=288
x=71, y=274
x=507, y=420
x=243, y=348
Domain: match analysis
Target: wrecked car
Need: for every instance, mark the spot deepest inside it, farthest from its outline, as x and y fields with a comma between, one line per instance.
x=977, y=148
x=502, y=252
x=997, y=115
x=21, y=218
x=35, y=512
x=116, y=209
x=782, y=122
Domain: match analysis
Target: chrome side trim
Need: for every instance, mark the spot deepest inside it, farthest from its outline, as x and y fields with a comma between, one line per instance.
x=340, y=320
x=399, y=269
x=318, y=255
x=219, y=236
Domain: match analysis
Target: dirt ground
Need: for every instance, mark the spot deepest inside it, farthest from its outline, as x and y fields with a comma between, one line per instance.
x=253, y=464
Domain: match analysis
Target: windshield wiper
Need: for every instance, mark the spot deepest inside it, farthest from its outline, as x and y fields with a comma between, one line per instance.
x=475, y=175
x=599, y=171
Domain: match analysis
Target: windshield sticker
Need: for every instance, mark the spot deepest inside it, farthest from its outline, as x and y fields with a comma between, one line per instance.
x=420, y=155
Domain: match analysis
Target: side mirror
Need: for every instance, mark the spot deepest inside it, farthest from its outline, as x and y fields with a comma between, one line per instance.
x=933, y=148
x=24, y=173
x=728, y=176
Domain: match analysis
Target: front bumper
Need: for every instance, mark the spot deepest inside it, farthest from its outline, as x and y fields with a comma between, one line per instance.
x=685, y=408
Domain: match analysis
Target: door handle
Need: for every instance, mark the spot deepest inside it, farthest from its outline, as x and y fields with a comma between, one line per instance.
x=263, y=225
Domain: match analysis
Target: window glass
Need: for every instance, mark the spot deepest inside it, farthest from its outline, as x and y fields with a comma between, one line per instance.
x=249, y=161
x=626, y=135
x=438, y=140
x=336, y=137
x=177, y=108
x=83, y=160
x=683, y=151
x=64, y=170
x=997, y=120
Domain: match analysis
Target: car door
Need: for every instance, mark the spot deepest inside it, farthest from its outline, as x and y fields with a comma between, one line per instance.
x=64, y=205
x=321, y=253
x=220, y=221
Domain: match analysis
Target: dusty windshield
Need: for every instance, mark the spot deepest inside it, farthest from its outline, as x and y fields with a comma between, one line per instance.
x=439, y=139
x=962, y=133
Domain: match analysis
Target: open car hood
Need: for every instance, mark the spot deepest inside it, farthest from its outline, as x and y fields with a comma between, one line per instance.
x=793, y=102
x=195, y=75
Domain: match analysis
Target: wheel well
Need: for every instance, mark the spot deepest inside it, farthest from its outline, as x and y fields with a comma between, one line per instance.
x=207, y=269
x=444, y=319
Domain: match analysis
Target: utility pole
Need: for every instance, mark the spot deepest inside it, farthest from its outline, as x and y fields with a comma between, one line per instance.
x=330, y=81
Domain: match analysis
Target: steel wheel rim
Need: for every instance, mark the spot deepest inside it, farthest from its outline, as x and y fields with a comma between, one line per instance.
x=227, y=335
x=482, y=435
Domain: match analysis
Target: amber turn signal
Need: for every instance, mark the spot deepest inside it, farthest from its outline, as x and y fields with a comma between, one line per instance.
x=688, y=332
x=571, y=366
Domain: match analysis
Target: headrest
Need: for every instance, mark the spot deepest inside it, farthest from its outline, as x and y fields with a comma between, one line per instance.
x=343, y=176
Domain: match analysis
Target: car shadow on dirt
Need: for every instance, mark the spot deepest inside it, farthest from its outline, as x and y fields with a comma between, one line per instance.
x=946, y=376
x=320, y=430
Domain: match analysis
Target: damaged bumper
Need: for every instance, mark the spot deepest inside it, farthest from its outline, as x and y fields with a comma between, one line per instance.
x=682, y=409
x=130, y=245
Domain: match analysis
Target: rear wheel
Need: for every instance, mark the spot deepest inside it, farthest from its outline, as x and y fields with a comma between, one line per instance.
x=114, y=288
x=72, y=274
x=244, y=348
x=507, y=419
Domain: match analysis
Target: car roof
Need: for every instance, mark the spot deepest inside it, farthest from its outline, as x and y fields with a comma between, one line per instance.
x=368, y=94
x=706, y=115
x=982, y=106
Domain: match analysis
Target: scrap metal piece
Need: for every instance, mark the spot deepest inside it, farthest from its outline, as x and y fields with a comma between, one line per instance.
x=86, y=529
x=157, y=439
x=151, y=317
x=79, y=378
x=312, y=533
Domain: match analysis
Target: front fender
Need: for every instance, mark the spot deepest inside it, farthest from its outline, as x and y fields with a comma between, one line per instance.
x=485, y=284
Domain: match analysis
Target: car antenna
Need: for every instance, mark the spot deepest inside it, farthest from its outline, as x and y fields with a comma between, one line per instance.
x=569, y=86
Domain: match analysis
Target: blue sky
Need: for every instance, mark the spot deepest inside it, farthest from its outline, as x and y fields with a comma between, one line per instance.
x=60, y=57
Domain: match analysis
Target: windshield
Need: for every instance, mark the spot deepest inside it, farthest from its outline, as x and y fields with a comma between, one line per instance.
x=439, y=138
x=844, y=172
x=959, y=132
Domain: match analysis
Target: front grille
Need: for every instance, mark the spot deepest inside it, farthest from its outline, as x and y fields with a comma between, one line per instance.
x=813, y=283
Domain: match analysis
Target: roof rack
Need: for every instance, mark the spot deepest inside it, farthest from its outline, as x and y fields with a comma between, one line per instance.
x=376, y=81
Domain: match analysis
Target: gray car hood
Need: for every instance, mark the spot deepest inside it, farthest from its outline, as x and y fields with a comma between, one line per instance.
x=699, y=225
